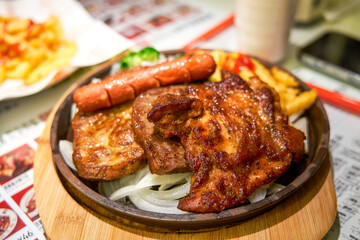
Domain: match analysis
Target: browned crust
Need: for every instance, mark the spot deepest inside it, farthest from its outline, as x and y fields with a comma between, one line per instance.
x=104, y=144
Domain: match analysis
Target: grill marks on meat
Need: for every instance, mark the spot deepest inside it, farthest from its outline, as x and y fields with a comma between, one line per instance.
x=165, y=156
x=240, y=141
x=104, y=144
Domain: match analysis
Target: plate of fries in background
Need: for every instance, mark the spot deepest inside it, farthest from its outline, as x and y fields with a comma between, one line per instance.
x=42, y=42
x=30, y=51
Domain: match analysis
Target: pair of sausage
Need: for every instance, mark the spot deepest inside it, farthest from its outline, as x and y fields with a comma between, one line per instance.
x=126, y=85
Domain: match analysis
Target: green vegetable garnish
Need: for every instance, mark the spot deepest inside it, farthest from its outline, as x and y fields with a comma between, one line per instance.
x=136, y=58
x=131, y=60
x=149, y=54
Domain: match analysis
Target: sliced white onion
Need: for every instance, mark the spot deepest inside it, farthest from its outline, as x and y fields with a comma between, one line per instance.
x=274, y=188
x=151, y=198
x=265, y=190
x=95, y=80
x=66, y=150
x=294, y=117
x=303, y=125
x=163, y=187
x=138, y=188
x=257, y=195
x=140, y=174
x=154, y=179
x=143, y=180
x=115, y=67
x=107, y=188
x=126, y=191
x=111, y=187
x=177, y=192
x=73, y=111
x=141, y=203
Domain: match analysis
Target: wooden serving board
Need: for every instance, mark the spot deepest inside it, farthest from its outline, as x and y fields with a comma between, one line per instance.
x=307, y=214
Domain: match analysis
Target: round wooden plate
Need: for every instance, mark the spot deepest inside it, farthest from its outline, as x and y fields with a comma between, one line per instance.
x=86, y=192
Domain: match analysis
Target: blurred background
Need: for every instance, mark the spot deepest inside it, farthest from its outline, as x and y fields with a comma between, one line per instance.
x=325, y=62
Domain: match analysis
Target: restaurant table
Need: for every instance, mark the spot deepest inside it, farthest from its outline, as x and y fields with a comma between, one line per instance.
x=310, y=214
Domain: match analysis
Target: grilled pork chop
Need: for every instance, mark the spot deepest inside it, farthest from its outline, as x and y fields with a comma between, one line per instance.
x=239, y=142
x=104, y=144
x=165, y=156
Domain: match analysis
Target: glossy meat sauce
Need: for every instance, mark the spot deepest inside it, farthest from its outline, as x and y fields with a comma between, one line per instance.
x=235, y=138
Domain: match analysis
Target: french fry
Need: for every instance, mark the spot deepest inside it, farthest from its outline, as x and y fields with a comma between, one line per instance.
x=40, y=72
x=284, y=77
x=17, y=25
x=301, y=102
x=219, y=57
x=58, y=60
x=246, y=75
x=2, y=73
x=20, y=71
x=10, y=64
x=263, y=73
x=2, y=34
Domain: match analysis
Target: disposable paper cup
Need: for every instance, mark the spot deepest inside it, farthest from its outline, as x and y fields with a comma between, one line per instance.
x=263, y=27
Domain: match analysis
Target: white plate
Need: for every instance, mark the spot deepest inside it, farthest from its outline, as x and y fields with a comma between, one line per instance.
x=95, y=41
x=12, y=221
x=25, y=201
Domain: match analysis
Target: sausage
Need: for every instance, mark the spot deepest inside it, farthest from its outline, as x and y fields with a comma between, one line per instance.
x=126, y=85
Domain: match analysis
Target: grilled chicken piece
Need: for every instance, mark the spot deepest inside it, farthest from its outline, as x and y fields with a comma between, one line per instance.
x=163, y=113
x=104, y=144
x=240, y=141
x=165, y=156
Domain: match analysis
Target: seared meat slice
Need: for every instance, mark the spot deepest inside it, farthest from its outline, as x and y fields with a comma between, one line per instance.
x=240, y=142
x=164, y=156
x=163, y=113
x=104, y=144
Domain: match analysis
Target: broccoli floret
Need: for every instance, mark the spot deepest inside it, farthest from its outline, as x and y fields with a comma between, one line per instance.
x=149, y=54
x=131, y=60
x=135, y=58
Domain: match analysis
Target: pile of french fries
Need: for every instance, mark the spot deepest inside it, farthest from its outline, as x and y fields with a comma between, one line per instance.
x=292, y=99
x=31, y=51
